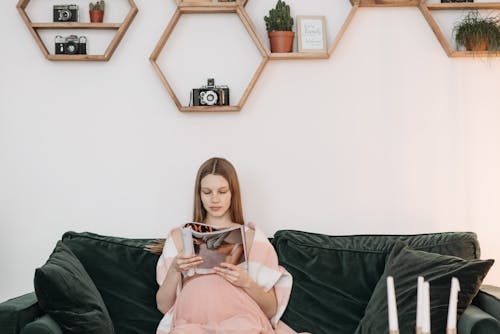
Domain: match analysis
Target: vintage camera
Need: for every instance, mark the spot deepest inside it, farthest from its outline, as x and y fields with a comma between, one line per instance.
x=65, y=13
x=71, y=45
x=210, y=95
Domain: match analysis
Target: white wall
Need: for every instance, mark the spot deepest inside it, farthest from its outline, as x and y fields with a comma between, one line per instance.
x=387, y=136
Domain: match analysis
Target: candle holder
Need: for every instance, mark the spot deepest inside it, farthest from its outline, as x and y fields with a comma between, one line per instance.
x=423, y=312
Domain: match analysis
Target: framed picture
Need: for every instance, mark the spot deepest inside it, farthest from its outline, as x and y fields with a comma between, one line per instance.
x=311, y=32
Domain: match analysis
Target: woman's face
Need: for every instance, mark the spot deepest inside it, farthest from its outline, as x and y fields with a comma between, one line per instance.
x=215, y=195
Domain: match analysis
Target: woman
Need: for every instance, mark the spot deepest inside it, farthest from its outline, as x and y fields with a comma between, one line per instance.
x=232, y=300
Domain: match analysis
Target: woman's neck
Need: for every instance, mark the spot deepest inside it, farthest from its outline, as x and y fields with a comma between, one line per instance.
x=219, y=221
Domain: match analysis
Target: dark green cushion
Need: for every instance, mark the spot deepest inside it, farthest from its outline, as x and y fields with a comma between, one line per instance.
x=15, y=313
x=405, y=265
x=68, y=295
x=124, y=274
x=42, y=325
x=334, y=276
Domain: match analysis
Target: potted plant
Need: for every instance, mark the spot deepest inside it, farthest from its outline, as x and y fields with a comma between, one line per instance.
x=279, y=25
x=478, y=33
x=96, y=11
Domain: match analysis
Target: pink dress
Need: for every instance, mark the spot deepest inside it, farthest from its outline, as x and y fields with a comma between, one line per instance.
x=208, y=304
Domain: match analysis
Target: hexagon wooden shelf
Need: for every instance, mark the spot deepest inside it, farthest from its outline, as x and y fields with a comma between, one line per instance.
x=238, y=7
x=121, y=29
x=355, y=5
x=426, y=9
x=209, y=4
x=386, y=3
x=209, y=8
x=318, y=55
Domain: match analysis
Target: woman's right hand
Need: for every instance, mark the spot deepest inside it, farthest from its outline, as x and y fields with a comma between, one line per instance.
x=183, y=262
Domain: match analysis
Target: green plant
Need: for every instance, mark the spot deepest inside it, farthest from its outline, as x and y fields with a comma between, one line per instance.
x=279, y=18
x=474, y=28
x=99, y=5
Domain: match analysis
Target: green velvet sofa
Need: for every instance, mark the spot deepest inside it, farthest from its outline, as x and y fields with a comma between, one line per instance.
x=338, y=283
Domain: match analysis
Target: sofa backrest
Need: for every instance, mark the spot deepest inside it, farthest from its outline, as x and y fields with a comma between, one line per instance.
x=124, y=274
x=334, y=276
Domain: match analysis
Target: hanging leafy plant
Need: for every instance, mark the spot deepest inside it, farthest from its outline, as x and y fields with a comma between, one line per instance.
x=475, y=29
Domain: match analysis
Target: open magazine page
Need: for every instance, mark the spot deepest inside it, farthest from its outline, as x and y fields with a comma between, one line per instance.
x=217, y=245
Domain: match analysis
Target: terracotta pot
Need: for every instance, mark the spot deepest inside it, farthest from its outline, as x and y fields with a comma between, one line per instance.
x=281, y=41
x=96, y=16
x=481, y=45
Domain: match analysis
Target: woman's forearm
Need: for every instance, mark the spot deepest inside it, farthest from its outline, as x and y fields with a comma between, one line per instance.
x=165, y=297
x=266, y=300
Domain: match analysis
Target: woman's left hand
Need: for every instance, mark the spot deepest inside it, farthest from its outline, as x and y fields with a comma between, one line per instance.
x=234, y=274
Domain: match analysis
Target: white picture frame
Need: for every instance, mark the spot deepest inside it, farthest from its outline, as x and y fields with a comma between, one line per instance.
x=311, y=31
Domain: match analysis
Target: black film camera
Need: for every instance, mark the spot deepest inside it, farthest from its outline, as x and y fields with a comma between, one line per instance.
x=71, y=45
x=65, y=13
x=210, y=95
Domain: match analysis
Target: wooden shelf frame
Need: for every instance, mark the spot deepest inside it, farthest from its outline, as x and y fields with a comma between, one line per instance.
x=427, y=8
x=463, y=5
x=298, y=55
x=386, y=3
x=121, y=29
x=76, y=25
x=322, y=54
x=247, y=23
x=355, y=5
x=238, y=8
x=206, y=4
x=210, y=108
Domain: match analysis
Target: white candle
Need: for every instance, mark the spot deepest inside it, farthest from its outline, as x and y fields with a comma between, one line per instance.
x=420, y=282
x=426, y=308
x=452, y=308
x=391, y=305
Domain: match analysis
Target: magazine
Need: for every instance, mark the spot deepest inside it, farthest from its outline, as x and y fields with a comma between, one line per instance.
x=214, y=245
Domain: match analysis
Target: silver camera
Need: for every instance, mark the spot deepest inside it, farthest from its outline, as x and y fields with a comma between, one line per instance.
x=70, y=45
x=65, y=13
x=210, y=95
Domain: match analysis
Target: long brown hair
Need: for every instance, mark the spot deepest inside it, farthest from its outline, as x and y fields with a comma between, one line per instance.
x=214, y=166
x=222, y=167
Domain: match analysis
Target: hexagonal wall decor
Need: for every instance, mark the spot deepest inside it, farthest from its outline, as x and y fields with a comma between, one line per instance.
x=426, y=9
x=186, y=9
x=183, y=3
x=386, y=3
x=121, y=29
x=258, y=9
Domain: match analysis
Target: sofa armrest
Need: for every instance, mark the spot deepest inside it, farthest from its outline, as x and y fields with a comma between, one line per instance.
x=476, y=321
x=488, y=299
x=42, y=325
x=17, y=312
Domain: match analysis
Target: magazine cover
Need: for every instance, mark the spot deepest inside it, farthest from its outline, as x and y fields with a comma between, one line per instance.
x=215, y=245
